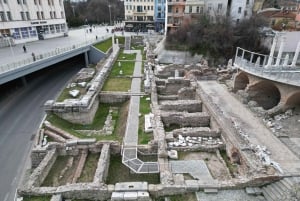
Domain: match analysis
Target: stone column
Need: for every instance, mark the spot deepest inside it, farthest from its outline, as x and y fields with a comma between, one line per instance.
x=272, y=52
x=296, y=55
x=282, y=43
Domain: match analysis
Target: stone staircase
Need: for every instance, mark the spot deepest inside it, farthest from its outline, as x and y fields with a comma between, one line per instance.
x=282, y=190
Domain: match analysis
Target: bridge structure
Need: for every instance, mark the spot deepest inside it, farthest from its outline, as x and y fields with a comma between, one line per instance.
x=273, y=82
x=21, y=68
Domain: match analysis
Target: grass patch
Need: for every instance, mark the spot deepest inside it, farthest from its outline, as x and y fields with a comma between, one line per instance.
x=120, y=173
x=121, y=39
x=89, y=169
x=98, y=122
x=126, y=66
x=233, y=168
x=36, y=198
x=65, y=93
x=104, y=45
x=56, y=176
x=172, y=127
x=144, y=138
x=117, y=84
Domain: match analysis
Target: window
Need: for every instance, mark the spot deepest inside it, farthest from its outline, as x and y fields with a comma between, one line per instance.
x=42, y=15
x=220, y=6
x=35, y=2
x=57, y=27
x=48, y=2
x=176, y=10
x=2, y=16
x=145, y=8
x=197, y=9
x=40, y=2
x=54, y=14
x=5, y=1
x=240, y=10
x=139, y=8
x=24, y=1
x=51, y=15
x=38, y=15
x=27, y=15
x=245, y=13
x=9, y=18
x=24, y=32
x=247, y=2
x=19, y=1
x=52, y=30
x=23, y=16
x=16, y=34
x=190, y=9
x=32, y=32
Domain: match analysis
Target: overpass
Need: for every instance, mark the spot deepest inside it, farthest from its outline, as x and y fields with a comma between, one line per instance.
x=24, y=67
x=273, y=82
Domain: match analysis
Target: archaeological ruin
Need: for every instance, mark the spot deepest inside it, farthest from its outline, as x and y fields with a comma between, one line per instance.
x=198, y=143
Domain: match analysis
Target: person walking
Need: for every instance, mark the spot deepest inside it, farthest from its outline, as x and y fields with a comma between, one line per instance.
x=33, y=56
x=24, y=48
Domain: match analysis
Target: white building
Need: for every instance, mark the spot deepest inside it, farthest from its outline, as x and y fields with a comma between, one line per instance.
x=241, y=9
x=212, y=8
x=139, y=14
x=30, y=20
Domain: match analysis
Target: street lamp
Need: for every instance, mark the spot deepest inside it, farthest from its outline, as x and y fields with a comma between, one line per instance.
x=109, y=14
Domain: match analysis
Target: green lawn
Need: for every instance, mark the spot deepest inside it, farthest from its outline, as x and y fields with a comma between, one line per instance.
x=126, y=66
x=121, y=39
x=89, y=169
x=144, y=138
x=117, y=84
x=120, y=173
x=104, y=45
x=98, y=123
x=36, y=198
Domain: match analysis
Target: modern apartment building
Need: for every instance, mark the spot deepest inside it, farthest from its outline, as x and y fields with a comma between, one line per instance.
x=175, y=15
x=30, y=20
x=159, y=14
x=139, y=15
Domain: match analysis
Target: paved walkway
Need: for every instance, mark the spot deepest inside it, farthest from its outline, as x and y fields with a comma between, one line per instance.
x=130, y=140
x=196, y=168
x=258, y=134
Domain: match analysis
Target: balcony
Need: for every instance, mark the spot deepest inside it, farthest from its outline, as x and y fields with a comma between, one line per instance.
x=176, y=3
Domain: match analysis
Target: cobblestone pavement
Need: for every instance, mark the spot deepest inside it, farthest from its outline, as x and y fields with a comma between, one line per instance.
x=196, y=168
x=228, y=195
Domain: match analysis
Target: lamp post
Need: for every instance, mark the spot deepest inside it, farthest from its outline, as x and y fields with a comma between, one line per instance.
x=109, y=14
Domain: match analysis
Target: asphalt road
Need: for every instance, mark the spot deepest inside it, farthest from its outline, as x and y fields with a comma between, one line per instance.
x=21, y=112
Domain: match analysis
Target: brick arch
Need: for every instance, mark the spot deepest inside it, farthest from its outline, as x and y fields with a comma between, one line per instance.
x=293, y=100
x=265, y=93
x=241, y=80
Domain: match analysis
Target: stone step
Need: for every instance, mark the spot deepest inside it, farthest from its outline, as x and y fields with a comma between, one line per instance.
x=286, y=183
x=278, y=189
x=267, y=195
x=272, y=191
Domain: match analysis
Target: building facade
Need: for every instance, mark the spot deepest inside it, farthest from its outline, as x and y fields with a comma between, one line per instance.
x=175, y=15
x=139, y=15
x=159, y=14
x=240, y=9
x=29, y=20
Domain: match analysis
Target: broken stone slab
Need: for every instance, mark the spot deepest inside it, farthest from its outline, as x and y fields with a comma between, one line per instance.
x=74, y=93
x=210, y=190
x=117, y=196
x=131, y=186
x=130, y=196
x=173, y=154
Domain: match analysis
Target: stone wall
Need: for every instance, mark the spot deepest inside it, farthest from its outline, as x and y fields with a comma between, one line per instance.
x=40, y=173
x=182, y=105
x=82, y=110
x=113, y=97
x=37, y=155
x=196, y=132
x=184, y=119
x=103, y=165
x=187, y=93
x=172, y=86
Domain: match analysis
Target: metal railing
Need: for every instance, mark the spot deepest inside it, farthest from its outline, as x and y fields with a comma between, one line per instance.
x=18, y=64
x=276, y=69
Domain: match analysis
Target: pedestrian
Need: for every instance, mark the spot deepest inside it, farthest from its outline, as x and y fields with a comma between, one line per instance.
x=107, y=30
x=96, y=37
x=24, y=48
x=33, y=56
